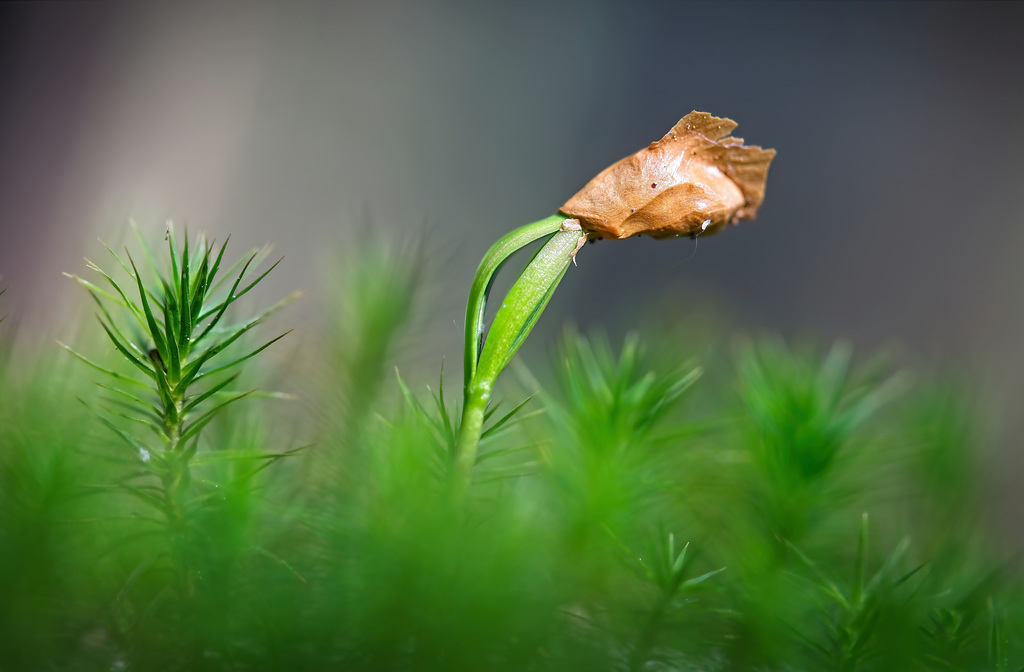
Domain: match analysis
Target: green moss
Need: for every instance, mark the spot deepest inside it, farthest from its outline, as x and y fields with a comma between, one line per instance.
x=788, y=509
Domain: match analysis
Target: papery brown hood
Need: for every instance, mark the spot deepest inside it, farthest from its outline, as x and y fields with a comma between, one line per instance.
x=696, y=179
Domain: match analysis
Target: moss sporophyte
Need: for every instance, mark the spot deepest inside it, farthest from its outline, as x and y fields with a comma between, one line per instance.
x=693, y=181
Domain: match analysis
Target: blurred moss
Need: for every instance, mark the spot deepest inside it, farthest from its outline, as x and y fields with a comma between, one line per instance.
x=634, y=516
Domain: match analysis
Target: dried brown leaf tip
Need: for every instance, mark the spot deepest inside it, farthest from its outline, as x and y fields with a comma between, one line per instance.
x=694, y=180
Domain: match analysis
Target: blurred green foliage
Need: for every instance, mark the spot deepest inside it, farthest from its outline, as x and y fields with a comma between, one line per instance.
x=782, y=509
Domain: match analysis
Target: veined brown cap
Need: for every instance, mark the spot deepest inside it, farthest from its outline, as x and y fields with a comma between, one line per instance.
x=694, y=180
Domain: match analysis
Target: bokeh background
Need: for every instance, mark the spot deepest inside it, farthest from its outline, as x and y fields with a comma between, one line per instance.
x=894, y=215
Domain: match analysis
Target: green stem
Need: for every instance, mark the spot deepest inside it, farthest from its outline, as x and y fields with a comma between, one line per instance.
x=513, y=322
x=469, y=436
x=175, y=482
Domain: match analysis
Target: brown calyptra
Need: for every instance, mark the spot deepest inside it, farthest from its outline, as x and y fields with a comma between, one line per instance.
x=694, y=180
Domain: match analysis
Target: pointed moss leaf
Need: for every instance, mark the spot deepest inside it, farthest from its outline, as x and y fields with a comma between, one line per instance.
x=147, y=251
x=183, y=282
x=234, y=296
x=142, y=366
x=192, y=369
x=154, y=330
x=442, y=413
x=184, y=307
x=238, y=361
x=172, y=318
x=136, y=419
x=190, y=449
x=113, y=324
x=862, y=553
x=124, y=301
x=264, y=394
x=491, y=410
x=218, y=311
x=505, y=452
x=115, y=255
x=206, y=417
x=133, y=577
x=154, y=501
x=495, y=433
x=294, y=296
x=505, y=473
x=443, y=407
x=906, y=577
x=700, y=579
x=112, y=374
x=446, y=427
x=124, y=436
x=678, y=562
x=282, y=562
x=135, y=350
x=219, y=456
x=885, y=571
x=505, y=418
x=421, y=413
x=255, y=282
x=210, y=287
x=95, y=290
x=164, y=390
x=209, y=393
x=410, y=398
x=172, y=246
x=826, y=584
x=271, y=459
x=252, y=260
x=150, y=407
x=139, y=414
x=197, y=294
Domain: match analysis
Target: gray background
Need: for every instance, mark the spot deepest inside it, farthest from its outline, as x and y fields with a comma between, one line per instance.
x=893, y=215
